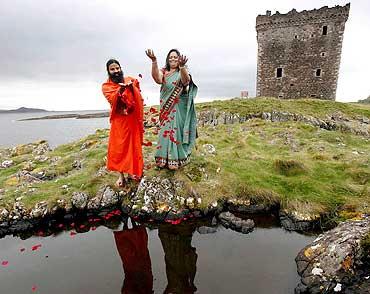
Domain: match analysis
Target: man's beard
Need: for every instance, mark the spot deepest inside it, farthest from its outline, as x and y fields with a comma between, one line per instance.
x=116, y=77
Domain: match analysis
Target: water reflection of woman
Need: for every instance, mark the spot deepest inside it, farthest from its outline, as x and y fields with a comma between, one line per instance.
x=132, y=245
x=180, y=258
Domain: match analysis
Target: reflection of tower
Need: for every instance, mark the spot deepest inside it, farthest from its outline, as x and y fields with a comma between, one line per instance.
x=132, y=245
x=180, y=258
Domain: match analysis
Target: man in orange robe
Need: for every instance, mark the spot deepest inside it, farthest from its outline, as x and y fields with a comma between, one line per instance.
x=126, y=118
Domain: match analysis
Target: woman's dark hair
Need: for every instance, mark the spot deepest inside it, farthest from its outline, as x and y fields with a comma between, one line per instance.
x=168, y=56
x=111, y=61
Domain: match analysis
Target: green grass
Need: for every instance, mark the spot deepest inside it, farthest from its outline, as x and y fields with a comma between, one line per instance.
x=313, y=107
x=303, y=167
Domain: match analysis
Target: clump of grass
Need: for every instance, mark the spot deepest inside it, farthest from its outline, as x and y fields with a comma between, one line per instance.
x=289, y=167
x=256, y=195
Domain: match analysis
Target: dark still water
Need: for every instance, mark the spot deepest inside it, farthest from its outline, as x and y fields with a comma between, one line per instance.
x=165, y=259
x=55, y=131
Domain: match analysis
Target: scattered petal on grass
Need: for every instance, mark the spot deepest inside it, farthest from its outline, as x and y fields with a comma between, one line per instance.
x=5, y=263
x=34, y=288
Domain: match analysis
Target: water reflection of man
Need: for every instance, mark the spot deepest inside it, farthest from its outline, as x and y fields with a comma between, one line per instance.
x=180, y=258
x=132, y=245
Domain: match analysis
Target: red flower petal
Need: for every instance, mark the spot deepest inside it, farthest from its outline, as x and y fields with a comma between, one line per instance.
x=148, y=143
x=72, y=233
x=4, y=263
x=153, y=110
x=35, y=247
x=82, y=226
x=34, y=288
x=93, y=228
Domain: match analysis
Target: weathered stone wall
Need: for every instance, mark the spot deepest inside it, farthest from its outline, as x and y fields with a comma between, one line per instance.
x=295, y=43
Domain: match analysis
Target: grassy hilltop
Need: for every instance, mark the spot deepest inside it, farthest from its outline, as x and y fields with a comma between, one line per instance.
x=304, y=167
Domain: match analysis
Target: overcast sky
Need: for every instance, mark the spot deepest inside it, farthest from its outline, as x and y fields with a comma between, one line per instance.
x=53, y=52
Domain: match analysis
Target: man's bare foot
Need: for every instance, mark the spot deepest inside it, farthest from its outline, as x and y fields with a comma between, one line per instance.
x=120, y=181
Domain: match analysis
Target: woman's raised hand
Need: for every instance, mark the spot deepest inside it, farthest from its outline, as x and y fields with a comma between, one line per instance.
x=182, y=60
x=150, y=54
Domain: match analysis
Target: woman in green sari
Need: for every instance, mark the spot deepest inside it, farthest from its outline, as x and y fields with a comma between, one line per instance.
x=178, y=123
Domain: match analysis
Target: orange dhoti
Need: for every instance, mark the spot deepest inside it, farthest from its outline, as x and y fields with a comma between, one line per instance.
x=126, y=132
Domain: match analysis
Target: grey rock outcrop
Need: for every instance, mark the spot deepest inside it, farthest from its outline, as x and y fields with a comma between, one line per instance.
x=334, y=262
x=79, y=200
x=228, y=220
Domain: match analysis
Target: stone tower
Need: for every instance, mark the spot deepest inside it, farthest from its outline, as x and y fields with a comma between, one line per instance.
x=299, y=52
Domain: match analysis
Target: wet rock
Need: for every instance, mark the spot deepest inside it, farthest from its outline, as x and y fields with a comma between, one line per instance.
x=228, y=220
x=18, y=212
x=40, y=210
x=4, y=214
x=109, y=197
x=79, y=200
x=245, y=206
x=335, y=262
x=7, y=163
x=206, y=230
x=294, y=221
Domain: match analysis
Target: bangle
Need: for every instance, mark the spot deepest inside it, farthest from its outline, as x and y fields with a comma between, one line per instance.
x=181, y=67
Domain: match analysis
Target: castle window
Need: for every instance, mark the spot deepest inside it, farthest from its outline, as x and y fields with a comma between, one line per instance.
x=279, y=72
x=291, y=85
x=323, y=54
x=313, y=95
x=325, y=30
x=318, y=72
x=281, y=96
x=295, y=37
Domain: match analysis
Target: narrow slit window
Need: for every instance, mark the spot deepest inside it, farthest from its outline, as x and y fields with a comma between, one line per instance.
x=325, y=30
x=279, y=72
x=323, y=54
x=313, y=95
x=318, y=72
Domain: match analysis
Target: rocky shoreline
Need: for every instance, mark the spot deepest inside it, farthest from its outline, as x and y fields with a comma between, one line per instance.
x=156, y=200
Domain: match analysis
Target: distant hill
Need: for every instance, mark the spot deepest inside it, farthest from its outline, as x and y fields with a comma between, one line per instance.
x=23, y=110
x=365, y=101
